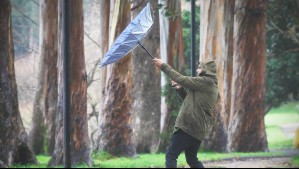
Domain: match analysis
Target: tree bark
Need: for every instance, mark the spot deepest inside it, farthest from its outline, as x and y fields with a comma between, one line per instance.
x=146, y=92
x=80, y=144
x=115, y=128
x=217, y=44
x=247, y=128
x=14, y=142
x=45, y=105
x=175, y=58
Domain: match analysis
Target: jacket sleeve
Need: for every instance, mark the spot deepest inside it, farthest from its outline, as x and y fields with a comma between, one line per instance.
x=192, y=83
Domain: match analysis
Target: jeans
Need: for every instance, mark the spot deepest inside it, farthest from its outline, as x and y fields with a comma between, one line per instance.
x=180, y=142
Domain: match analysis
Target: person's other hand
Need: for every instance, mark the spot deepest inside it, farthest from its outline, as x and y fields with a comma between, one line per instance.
x=158, y=62
x=175, y=85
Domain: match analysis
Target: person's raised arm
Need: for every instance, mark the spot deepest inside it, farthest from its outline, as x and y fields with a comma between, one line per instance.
x=193, y=83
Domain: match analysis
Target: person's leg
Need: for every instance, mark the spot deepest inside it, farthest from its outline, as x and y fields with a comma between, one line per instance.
x=175, y=148
x=191, y=153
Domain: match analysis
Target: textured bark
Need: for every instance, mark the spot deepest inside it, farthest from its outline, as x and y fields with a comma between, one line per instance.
x=115, y=128
x=146, y=91
x=45, y=105
x=175, y=58
x=217, y=43
x=247, y=128
x=14, y=142
x=80, y=144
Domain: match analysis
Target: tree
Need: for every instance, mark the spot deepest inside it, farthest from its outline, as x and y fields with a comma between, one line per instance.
x=45, y=106
x=80, y=144
x=217, y=44
x=115, y=128
x=146, y=91
x=247, y=128
x=14, y=143
x=172, y=40
x=241, y=72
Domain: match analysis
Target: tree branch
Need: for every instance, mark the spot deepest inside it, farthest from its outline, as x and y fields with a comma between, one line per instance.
x=25, y=15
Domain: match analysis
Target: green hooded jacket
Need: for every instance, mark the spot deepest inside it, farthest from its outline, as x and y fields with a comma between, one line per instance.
x=195, y=116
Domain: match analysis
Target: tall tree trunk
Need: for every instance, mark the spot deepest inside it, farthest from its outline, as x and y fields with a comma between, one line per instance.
x=146, y=92
x=14, y=142
x=163, y=21
x=175, y=58
x=217, y=19
x=247, y=128
x=45, y=106
x=104, y=43
x=115, y=129
x=80, y=144
x=115, y=126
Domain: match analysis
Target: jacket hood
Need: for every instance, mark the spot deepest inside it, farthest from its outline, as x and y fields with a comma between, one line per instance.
x=209, y=69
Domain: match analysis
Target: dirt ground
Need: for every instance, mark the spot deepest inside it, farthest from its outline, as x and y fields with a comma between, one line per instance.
x=252, y=163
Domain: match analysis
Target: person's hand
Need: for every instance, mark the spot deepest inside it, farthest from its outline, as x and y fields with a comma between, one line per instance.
x=158, y=62
x=175, y=85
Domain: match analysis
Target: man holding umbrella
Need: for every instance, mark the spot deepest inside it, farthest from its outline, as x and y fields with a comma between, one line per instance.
x=195, y=117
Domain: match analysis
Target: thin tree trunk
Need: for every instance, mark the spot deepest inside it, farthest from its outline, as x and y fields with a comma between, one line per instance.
x=14, y=142
x=45, y=106
x=115, y=129
x=163, y=21
x=80, y=144
x=146, y=91
x=247, y=128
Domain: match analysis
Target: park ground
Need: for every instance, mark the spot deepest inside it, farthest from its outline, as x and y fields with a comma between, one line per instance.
x=281, y=124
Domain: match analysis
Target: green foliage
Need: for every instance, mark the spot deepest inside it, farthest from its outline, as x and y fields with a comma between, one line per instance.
x=282, y=52
x=170, y=14
x=295, y=161
x=102, y=155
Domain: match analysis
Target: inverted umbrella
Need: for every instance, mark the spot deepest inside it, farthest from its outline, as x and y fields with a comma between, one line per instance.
x=130, y=37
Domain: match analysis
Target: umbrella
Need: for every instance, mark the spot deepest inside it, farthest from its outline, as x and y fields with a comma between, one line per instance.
x=130, y=37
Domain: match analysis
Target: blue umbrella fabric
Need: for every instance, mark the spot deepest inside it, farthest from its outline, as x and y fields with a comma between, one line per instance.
x=130, y=37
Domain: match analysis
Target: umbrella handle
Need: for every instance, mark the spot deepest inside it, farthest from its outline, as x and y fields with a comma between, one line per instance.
x=145, y=49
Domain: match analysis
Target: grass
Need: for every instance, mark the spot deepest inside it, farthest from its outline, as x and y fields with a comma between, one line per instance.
x=288, y=113
x=147, y=160
x=295, y=161
x=285, y=114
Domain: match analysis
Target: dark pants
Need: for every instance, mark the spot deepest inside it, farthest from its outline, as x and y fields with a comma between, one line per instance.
x=180, y=142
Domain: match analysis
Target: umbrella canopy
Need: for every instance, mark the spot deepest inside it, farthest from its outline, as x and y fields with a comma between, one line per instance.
x=130, y=37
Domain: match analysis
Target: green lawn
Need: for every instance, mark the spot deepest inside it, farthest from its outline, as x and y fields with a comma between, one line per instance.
x=295, y=161
x=288, y=113
x=148, y=160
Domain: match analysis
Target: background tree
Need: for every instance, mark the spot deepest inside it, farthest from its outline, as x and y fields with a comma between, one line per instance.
x=14, y=143
x=217, y=20
x=247, y=128
x=80, y=144
x=45, y=107
x=115, y=128
x=282, y=52
x=146, y=92
x=173, y=54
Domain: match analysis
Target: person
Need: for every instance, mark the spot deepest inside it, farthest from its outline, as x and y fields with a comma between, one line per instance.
x=200, y=94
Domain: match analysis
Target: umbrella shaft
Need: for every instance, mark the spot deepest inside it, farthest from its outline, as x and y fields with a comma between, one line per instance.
x=145, y=49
